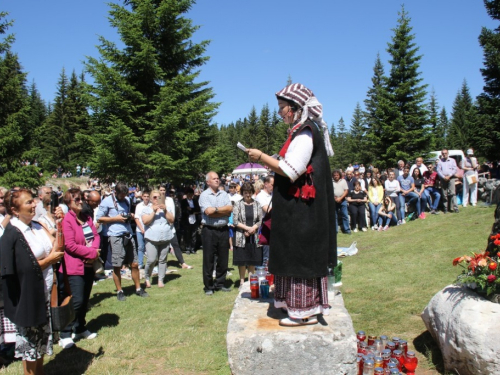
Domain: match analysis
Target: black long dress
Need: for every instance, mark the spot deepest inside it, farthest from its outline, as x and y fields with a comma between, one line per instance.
x=303, y=239
x=250, y=255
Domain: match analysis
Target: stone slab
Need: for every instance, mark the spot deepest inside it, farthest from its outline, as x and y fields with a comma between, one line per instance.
x=257, y=344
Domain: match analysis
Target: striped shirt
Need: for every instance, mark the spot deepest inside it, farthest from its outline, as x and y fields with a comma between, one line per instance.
x=210, y=199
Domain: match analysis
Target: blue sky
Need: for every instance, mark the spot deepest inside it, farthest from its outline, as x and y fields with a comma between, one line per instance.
x=329, y=46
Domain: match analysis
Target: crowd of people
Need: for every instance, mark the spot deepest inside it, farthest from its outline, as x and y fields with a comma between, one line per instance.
x=380, y=199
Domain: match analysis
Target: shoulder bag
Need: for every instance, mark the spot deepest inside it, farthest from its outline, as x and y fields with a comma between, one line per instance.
x=265, y=228
x=61, y=314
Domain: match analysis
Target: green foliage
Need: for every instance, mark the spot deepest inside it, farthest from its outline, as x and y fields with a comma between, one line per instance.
x=488, y=102
x=407, y=131
x=15, y=138
x=463, y=125
x=148, y=88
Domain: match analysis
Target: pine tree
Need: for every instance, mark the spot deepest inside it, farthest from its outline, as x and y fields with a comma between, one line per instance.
x=433, y=120
x=407, y=129
x=14, y=115
x=343, y=154
x=488, y=102
x=148, y=90
x=359, y=142
x=463, y=122
x=377, y=114
x=442, y=131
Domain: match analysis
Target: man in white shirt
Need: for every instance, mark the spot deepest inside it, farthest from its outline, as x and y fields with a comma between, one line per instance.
x=233, y=195
x=265, y=195
x=39, y=210
x=419, y=163
x=140, y=226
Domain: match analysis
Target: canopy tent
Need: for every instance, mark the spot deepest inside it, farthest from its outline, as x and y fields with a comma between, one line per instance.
x=250, y=168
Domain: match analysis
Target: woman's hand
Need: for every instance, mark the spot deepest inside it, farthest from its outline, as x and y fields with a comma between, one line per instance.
x=254, y=154
x=58, y=213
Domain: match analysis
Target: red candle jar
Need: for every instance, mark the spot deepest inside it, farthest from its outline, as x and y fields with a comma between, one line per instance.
x=390, y=345
x=403, y=346
x=254, y=289
x=398, y=354
x=362, y=347
x=371, y=340
x=270, y=278
x=254, y=277
x=359, y=361
x=361, y=335
x=410, y=363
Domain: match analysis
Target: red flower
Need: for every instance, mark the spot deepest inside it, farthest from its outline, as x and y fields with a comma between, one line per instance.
x=496, y=242
x=491, y=278
x=487, y=253
x=457, y=260
x=492, y=266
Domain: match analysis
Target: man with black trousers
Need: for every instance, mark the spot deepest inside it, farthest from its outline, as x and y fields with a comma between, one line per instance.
x=216, y=208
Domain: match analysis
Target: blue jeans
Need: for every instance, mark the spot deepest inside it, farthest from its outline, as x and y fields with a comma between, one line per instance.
x=374, y=212
x=436, y=193
x=342, y=212
x=410, y=198
x=387, y=219
x=140, y=248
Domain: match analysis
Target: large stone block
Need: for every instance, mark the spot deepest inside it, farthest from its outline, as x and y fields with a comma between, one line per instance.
x=466, y=328
x=257, y=344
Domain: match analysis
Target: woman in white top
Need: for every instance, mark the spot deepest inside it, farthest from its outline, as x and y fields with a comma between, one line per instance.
x=392, y=190
x=27, y=284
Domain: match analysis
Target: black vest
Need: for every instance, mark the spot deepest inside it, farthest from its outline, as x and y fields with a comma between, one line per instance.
x=303, y=235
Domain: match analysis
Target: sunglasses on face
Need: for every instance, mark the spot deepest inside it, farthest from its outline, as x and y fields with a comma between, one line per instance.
x=77, y=200
x=155, y=197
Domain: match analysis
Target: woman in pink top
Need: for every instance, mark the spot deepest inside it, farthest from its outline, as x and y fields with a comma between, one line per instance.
x=82, y=249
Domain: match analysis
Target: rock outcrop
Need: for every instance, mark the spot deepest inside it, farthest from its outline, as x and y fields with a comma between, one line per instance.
x=465, y=326
x=257, y=344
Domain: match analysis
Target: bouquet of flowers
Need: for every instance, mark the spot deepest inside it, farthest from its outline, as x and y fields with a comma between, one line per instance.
x=480, y=271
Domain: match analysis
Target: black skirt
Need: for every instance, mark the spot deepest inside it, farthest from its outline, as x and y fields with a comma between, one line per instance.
x=250, y=255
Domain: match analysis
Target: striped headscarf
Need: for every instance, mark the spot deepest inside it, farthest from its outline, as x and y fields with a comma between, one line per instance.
x=310, y=106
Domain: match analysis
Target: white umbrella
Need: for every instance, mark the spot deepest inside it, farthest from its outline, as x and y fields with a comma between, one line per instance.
x=250, y=168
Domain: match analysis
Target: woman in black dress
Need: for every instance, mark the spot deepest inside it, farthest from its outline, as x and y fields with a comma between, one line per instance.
x=247, y=218
x=357, y=200
x=303, y=242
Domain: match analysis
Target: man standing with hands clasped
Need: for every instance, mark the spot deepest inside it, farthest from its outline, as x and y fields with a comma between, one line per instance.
x=446, y=170
x=215, y=208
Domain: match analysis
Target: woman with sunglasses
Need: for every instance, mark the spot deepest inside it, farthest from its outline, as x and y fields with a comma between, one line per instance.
x=159, y=224
x=82, y=243
x=27, y=253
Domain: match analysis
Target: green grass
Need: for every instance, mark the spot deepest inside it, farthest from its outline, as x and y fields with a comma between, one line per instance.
x=178, y=330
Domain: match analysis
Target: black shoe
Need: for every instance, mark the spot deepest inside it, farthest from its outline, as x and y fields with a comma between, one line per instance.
x=193, y=252
x=121, y=296
x=141, y=293
x=209, y=292
x=456, y=210
x=445, y=212
x=223, y=289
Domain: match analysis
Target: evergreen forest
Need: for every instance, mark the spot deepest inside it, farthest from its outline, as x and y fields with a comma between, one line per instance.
x=139, y=113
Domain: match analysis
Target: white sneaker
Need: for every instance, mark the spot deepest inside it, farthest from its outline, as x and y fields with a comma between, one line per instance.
x=84, y=335
x=355, y=230
x=364, y=229
x=403, y=221
x=66, y=343
x=473, y=205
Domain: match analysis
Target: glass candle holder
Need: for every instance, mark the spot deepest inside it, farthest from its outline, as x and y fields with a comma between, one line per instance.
x=390, y=345
x=398, y=354
x=362, y=347
x=410, y=363
x=403, y=346
x=379, y=348
x=368, y=367
x=384, y=339
x=371, y=339
x=361, y=335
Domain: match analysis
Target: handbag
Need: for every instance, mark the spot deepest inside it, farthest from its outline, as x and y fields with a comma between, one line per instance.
x=265, y=228
x=64, y=313
x=98, y=265
x=471, y=179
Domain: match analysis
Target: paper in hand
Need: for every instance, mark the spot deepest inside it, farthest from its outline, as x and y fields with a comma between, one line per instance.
x=241, y=147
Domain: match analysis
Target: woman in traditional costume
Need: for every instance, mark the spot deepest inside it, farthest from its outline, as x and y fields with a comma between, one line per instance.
x=303, y=241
